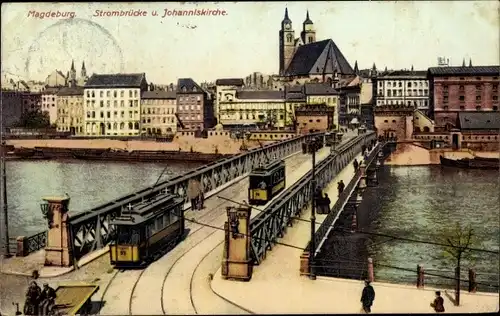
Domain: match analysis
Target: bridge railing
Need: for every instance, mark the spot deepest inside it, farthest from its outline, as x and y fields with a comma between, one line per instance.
x=328, y=223
x=91, y=229
x=271, y=224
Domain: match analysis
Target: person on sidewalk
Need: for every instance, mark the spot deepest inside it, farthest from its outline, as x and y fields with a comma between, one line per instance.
x=47, y=300
x=355, y=164
x=341, y=187
x=367, y=297
x=193, y=193
x=326, y=207
x=201, y=200
x=438, y=303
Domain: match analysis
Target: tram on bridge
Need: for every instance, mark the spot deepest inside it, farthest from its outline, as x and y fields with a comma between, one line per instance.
x=146, y=230
x=266, y=182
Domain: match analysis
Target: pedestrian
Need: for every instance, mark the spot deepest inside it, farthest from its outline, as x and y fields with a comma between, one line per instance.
x=355, y=164
x=340, y=187
x=367, y=297
x=327, y=204
x=47, y=299
x=201, y=200
x=32, y=299
x=193, y=193
x=438, y=303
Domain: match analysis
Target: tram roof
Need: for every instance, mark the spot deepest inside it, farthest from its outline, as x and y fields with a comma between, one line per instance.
x=268, y=167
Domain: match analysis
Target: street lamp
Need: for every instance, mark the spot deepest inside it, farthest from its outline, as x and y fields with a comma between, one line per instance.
x=312, y=146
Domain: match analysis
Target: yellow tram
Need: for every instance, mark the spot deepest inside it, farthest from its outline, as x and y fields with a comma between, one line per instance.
x=144, y=231
x=266, y=182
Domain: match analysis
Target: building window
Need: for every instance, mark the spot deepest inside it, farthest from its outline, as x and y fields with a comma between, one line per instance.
x=445, y=99
x=101, y=103
x=495, y=88
x=478, y=78
x=478, y=87
x=462, y=78
x=101, y=94
x=478, y=108
x=495, y=108
x=478, y=98
x=461, y=98
x=495, y=98
x=386, y=121
x=445, y=88
x=115, y=95
x=445, y=108
x=462, y=107
x=461, y=88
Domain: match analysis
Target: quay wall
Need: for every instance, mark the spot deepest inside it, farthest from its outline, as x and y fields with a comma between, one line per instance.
x=221, y=144
x=407, y=154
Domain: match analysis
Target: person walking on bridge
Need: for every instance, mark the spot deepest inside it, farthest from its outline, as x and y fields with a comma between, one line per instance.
x=355, y=164
x=193, y=193
x=367, y=297
x=438, y=303
x=341, y=187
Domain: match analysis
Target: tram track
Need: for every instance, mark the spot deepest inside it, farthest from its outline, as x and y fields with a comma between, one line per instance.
x=120, y=281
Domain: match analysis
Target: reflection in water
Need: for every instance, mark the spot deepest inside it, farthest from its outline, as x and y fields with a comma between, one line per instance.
x=420, y=203
x=89, y=184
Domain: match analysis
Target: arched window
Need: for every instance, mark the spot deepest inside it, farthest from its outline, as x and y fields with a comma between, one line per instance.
x=109, y=126
x=426, y=129
x=130, y=125
x=122, y=125
x=136, y=126
x=289, y=38
x=417, y=129
x=115, y=125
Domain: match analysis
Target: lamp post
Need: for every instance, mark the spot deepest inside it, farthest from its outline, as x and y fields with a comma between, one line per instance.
x=311, y=148
x=5, y=228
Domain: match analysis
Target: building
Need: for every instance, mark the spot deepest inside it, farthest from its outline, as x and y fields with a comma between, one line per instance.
x=477, y=131
x=304, y=59
x=295, y=97
x=158, y=109
x=258, y=81
x=32, y=101
x=243, y=108
x=461, y=89
x=112, y=104
x=323, y=93
x=194, y=106
x=394, y=121
x=49, y=103
x=70, y=114
x=224, y=90
x=350, y=105
x=314, y=118
x=402, y=87
x=58, y=79
x=12, y=107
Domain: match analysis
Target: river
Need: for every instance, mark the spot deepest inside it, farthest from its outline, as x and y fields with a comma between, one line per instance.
x=420, y=203
x=88, y=184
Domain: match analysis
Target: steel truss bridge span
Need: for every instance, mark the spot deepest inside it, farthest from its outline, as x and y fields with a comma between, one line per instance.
x=90, y=230
x=270, y=225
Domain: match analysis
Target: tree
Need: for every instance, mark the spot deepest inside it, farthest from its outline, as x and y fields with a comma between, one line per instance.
x=459, y=240
x=34, y=119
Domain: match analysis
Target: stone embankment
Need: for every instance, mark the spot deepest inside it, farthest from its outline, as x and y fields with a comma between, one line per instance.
x=413, y=155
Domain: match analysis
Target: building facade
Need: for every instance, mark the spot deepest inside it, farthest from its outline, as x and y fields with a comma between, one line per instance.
x=195, y=109
x=402, y=87
x=243, y=108
x=394, y=121
x=70, y=114
x=112, y=104
x=12, y=107
x=158, y=109
x=32, y=101
x=295, y=97
x=322, y=93
x=49, y=103
x=224, y=90
x=462, y=89
x=314, y=118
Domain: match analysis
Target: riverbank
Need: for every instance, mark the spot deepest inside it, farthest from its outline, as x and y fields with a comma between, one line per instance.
x=222, y=144
x=413, y=155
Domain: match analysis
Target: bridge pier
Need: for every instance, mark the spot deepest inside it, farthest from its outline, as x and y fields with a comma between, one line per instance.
x=236, y=261
x=58, y=249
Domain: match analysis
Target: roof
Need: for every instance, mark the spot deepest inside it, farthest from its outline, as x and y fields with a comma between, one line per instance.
x=466, y=71
x=479, y=120
x=261, y=95
x=159, y=94
x=318, y=58
x=319, y=89
x=51, y=90
x=67, y=91
x=229, y=82
x=400, y=74
x=296, y=96
x=116, y=80
x=188, y=85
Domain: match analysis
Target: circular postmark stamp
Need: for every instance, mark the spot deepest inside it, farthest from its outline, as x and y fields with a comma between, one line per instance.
x=73, y=39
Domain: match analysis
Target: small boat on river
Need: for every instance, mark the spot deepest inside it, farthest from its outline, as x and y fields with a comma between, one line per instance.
x=471, y=163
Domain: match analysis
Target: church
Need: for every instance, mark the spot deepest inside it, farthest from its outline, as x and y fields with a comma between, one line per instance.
x=58, y=79
x=304, y=59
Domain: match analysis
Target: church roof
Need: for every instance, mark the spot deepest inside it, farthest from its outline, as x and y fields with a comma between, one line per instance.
x=318, y=58
x=116, y=80
x=479, y=120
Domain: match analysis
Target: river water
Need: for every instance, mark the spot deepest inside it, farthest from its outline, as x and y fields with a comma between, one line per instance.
x=88, y=184
x=420, y=203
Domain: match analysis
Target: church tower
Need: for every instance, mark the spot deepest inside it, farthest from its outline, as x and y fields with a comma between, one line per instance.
x=72, y=74
x=287, y=43
x=308, y=33
x=84, y=71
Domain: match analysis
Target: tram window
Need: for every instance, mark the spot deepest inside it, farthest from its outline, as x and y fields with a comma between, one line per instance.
x=159, y=223
x=256, y=182
x=166, y=219
x=152, y=227
x=173, y=217
x=127, y=235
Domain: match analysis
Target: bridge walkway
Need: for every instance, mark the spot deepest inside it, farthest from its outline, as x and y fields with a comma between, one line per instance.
x=178, y=282
x=279, y=276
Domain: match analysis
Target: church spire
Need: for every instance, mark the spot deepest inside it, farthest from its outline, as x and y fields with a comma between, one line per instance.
x=84, y=70
x=72, y=65
x=412, y=68
x=83, y=66
x=286, y=18
x=470, y=62
x=356, y=70
x=308, y=20
x=463, y=63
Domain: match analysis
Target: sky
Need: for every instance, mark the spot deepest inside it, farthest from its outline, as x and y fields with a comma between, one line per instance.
x=390, y=34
